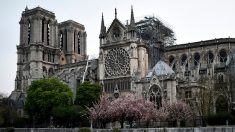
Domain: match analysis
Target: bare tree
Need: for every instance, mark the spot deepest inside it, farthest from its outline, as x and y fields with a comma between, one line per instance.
x=204, y=95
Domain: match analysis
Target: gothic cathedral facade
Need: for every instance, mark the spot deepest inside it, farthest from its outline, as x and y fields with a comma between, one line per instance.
x=126, y=62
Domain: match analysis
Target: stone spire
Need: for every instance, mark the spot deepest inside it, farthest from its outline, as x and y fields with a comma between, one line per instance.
x=103, y=28
x=132, y=21
x=26, y=8
x=115, y=13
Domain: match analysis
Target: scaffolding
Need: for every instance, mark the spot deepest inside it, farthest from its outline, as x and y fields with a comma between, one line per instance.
x=156, y=35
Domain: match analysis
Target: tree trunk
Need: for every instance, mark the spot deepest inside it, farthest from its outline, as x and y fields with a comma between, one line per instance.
x=131, y=123
x=122, y=123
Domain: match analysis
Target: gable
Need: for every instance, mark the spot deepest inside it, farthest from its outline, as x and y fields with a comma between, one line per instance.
x=116, y=28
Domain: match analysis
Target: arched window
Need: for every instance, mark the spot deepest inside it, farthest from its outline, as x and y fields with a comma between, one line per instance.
x=74, y=41
x=155, y=95
x=196, y=58
x=221, y=104
x=49, y=56
x=61, y=41
x=210, y=57
x=172, y=62
x=79, y=48
x=29, y=30
x=183, y=59
x=44, y=70
x=48, y=33
x=43, y=21
x=222, y=56
x=43, y=55
x=50, y=72
x=53, y=57
x=220, y=78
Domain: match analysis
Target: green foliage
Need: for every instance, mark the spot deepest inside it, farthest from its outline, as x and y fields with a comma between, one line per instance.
x=220, y=118
x=45, y=94
x=87, y=94
x=69, y=116
x=7, y=116
x=116, y=130
x=10, y=129
x=84, y=129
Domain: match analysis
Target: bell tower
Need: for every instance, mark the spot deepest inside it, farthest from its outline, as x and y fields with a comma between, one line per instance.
x=72, y=42
x=37, y=51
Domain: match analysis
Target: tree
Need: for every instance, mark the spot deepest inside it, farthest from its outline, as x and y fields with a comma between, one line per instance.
x=87, y=94
x=68, y=116
x=180, y=111
x=102, y=112
x=125, y=108
x=8, y=114
x=204, y=96
x=45, y=94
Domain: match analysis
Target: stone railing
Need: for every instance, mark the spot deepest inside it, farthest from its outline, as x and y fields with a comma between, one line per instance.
x=192, y=129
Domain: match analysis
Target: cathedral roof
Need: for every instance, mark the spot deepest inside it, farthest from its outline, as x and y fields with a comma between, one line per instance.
x=161, y=69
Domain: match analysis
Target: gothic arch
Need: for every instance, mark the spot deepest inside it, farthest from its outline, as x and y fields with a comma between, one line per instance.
x=172, y=62
x=196, y=58
x=183, y=59
x=61, y=36
x=79, y=42
x=220, y=78
x=210, y=57
x=155, y=95
x=223, y=56
x=29, y=30
x=50, y=72
x=44, y=71
x=48, y=32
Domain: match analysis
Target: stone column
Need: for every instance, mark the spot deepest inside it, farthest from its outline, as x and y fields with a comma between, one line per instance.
x=56, y=38
x=36, y=29
x=141, y=60
x=70, y=39
x=53, y=34
x=146, y=62
x=22, y=24
x=25, y=33
x=83, y=36
x=133, y=59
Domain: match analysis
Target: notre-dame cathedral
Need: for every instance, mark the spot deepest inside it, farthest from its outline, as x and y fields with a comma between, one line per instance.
x=131, y=59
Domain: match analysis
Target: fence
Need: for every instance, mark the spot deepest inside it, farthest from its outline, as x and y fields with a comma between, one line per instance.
x=198, y=129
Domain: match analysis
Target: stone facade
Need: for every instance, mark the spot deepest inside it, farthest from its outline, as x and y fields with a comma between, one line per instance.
x=204, y=65
x=48, y=48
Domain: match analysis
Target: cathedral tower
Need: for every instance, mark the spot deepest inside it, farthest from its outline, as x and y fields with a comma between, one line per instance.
x=38, y=49
x=72, y=41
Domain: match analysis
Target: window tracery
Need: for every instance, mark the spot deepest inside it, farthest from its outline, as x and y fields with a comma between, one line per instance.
x=155, y=96
x=117, y=62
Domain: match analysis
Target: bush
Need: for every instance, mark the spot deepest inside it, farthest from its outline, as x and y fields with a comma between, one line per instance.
x=220, y=119
x=10, y=129
x=84, y=129
x=116, y=130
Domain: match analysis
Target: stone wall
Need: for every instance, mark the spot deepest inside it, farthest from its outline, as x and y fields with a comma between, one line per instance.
x=198, y=129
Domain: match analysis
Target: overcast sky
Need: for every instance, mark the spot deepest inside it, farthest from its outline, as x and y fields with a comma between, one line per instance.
x=191, y=20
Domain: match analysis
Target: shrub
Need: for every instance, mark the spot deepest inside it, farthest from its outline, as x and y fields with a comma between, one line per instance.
x=220, y=118
x=116, y=130
x=10, y=129
x=84, y=129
